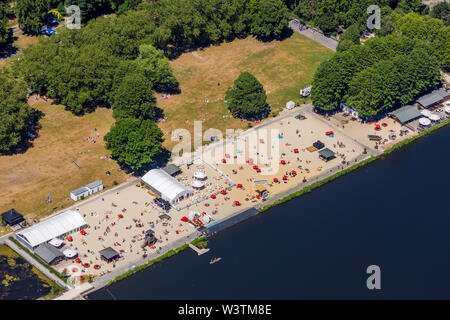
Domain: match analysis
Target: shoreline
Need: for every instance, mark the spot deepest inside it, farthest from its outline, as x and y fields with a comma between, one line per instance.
x=281, y=198
x=295, y=191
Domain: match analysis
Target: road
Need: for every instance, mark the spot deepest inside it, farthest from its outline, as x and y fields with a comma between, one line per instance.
x=314, y=35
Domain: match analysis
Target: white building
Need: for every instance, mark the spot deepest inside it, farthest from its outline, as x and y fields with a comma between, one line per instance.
x=166, y=186
x=57, y=226
x=87, y=190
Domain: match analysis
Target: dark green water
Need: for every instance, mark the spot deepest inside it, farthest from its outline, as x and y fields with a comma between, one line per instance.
x=393, y=213
x=19, y=282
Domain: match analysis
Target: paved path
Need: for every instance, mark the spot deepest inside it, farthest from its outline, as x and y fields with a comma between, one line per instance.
x=314, y=35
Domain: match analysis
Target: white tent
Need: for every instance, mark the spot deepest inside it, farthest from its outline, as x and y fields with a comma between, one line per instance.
x=200, y=175
x=169, y=188
x=426, y=113
x=434, y=117
x=447, y=109
x=193, y=215
x=57, y=226
x=56, y=242
x=290, y=105
x=197, y=184
x=424, y=122
x=70, y=253
x=206, y=218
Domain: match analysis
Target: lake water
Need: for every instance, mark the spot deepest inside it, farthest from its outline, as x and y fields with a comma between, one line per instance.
x=393, y=213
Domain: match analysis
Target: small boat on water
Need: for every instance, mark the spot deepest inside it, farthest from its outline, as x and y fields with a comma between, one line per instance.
x=215, y=260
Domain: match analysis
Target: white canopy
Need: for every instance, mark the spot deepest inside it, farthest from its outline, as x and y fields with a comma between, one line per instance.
x=426, y=113
x=56, y=242
x=54, y=227
x=424, y=121
x=193, y=215
x=447, y=109
x=290, y=105
x=197, y=184
x=206, y=218
x=70, y=253
x=200, y=175
x=167, y=186
x=434, y=117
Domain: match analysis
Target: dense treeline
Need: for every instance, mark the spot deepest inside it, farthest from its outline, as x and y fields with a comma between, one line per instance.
x=18, y=119
x=121, y=61
x=327, y=15
x=384, y=73
x=3, y=22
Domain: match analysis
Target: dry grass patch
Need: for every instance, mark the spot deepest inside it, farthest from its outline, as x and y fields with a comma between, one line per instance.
x=283, y=67
x=46, y=168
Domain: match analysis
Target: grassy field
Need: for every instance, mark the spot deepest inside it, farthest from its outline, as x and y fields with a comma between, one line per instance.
x=283, y=67
x=46, y=168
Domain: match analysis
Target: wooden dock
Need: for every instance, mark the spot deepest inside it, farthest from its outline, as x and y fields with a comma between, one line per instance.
x=199, y=251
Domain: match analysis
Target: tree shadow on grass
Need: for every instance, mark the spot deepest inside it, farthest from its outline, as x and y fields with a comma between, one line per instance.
x=28, y=134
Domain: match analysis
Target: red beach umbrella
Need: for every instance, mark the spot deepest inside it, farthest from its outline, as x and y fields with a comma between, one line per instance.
x=213, y=196
x=258, y=170
x=237, y=203
x=283, y=162
x=78, y=260
x=223, y=192
x=293, y=172
x=384, y=124
x=295, y=150
x=239, y=185
x=86, y=265
x=224, y=161
x=255, y=167
x=275, y=179
x=69, y=239
x=250, y=160
x=184, y=219
x=284, y=177
x=83, y=232
x=96, y=267
x=81, y=277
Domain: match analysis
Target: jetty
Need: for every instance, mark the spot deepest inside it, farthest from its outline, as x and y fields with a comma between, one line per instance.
x=198, y=250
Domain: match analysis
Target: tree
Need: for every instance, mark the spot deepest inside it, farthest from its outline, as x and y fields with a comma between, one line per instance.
x=133, y=97
x=351, y=33
x=327, y=22
x=157, y=68
x=270, y=19
x=344, y=45
x=441, y=11
x=17, y=118
x=247, y=98
x=3, y=24
x=410, y=5
x=134, y=143
x=31, y=14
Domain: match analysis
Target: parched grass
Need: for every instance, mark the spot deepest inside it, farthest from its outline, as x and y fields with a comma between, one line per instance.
x=46, y=168
x=148, y=264
x=283, y=67
x=420, y=135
